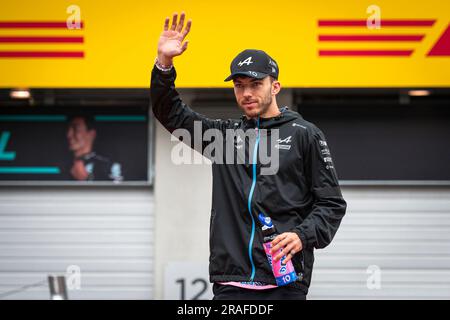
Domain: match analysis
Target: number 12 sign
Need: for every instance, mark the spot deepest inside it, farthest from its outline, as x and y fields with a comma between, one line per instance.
x=187, y=281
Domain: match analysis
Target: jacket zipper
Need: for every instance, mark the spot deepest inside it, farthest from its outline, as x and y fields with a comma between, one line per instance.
x=252, y=189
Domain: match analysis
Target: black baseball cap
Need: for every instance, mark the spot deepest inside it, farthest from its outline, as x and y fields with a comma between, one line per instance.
x=253, y=63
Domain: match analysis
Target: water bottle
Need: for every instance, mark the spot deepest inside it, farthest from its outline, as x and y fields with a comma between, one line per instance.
x=284, y=272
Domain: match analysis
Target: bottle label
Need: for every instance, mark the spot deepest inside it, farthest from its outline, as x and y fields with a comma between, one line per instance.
x=284, y=273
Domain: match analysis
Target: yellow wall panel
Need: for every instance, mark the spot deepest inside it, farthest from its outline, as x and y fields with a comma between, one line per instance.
x=120, y=40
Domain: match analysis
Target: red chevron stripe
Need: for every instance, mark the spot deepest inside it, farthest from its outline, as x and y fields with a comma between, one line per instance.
x=41, y=54
x=442, y=46
x=35, y=24
x=39, y=39
x=418, y=37
x=367, y=53
x=384, y=23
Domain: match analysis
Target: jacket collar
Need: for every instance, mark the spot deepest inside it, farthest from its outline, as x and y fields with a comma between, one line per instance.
x=265, y=123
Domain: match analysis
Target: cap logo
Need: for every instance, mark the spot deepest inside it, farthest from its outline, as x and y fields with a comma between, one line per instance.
x=247, y=61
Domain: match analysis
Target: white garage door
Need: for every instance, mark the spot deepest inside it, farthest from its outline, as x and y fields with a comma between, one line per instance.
x=106, y=232
x=394, y=242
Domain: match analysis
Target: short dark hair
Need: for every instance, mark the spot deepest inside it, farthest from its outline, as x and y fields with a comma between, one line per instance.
x=88, y=120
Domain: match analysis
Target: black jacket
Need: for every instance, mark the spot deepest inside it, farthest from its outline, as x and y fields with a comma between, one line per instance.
x=302, y=197
x=100, y=168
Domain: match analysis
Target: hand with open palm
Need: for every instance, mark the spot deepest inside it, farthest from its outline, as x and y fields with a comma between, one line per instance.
x=171, y=40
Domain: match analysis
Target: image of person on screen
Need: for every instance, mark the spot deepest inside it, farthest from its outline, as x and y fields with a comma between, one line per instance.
x=87, y=165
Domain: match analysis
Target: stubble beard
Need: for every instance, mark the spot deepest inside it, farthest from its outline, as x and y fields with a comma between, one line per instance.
x=262, y=108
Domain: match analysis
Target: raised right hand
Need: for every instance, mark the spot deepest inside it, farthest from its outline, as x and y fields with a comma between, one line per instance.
x=171, y=40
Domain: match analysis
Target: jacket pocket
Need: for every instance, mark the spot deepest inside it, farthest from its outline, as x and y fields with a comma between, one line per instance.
x=299, y=264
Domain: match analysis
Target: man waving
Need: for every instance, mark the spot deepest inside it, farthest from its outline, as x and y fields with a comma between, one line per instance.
x=302, y=197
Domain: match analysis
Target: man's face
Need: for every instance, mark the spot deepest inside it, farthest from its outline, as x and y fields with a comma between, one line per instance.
x=79, y=137
x=253, y=96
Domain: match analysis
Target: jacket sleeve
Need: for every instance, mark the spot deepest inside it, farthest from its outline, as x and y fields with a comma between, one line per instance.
x=172, y=112
x=328, y=209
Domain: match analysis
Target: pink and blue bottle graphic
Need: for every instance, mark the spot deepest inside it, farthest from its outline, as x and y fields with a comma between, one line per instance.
x=284, y=272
